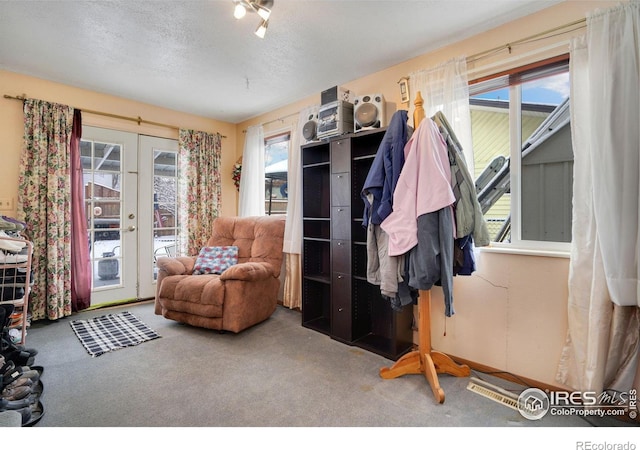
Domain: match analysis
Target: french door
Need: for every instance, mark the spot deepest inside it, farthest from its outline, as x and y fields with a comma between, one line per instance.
x=131, y=186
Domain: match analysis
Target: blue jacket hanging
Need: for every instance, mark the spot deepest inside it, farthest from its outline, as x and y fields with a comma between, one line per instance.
x=385, y=170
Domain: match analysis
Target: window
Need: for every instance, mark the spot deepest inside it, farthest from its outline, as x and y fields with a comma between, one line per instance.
x=522, y=154
x=276, y=158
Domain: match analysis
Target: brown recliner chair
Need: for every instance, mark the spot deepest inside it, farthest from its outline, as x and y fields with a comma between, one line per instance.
x=243, y=295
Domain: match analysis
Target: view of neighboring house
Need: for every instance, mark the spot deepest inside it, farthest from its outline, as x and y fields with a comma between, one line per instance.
x=490, y=134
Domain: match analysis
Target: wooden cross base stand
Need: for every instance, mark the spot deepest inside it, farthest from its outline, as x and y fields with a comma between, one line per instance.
x=424, y=360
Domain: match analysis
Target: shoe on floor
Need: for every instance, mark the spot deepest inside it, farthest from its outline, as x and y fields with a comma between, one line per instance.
x=17, y=393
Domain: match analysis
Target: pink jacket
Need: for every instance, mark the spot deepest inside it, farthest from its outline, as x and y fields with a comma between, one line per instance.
x=424, y=186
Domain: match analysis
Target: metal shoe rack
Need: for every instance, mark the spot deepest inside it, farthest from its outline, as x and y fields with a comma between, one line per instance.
x=15, y=280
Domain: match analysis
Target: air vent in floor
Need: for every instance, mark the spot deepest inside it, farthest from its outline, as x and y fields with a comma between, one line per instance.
x=492, y=392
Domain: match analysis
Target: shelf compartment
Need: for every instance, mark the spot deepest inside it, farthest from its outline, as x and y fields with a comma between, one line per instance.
x=380, y=329
x=364, y=143
x=359, y=260
x=359, y=173
x=316, y=305
x=316, y=190
x=316, y=228
x=358, y=231
x=316, y=258
x=316, y=153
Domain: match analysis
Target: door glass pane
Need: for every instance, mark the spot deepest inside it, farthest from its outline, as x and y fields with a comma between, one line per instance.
x=165, y=204
x=102, y=174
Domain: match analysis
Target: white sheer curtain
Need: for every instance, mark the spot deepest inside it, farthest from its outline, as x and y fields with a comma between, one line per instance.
x=445, y=88
x=604, y=290
x=251, y=202
x=292, y=247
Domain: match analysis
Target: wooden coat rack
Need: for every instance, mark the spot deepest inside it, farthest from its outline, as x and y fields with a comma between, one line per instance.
x=425, y=360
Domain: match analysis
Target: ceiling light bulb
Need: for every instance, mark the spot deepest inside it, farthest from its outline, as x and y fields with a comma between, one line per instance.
x=263, y=12
x=239, y=12
x=262, y=29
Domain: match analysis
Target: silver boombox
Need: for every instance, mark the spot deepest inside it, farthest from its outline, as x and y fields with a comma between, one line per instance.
x=334, y=119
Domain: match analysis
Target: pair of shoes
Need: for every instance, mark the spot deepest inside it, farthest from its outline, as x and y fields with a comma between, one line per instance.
x=19, y=357
x=32, y=374
x=9, y=351
x=23, y=396
x=9, y=372
x=17, y=393
x=30, y=409
x=23, y=380
x=16, y=319
x=28, y=382
x=18, y=404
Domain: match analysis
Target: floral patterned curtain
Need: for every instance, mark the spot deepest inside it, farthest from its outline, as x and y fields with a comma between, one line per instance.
x=200, y=189
x=44, y=199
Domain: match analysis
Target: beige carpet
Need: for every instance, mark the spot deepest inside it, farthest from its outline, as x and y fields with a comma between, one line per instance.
x=275, y=374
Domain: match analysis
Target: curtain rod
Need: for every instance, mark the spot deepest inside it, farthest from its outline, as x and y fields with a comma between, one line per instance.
x=281, y=118
x=138, y=119
x=531, y=38
x=276, y=120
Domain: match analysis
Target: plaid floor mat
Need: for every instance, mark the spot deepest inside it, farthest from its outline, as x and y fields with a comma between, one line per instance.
x=112, y=332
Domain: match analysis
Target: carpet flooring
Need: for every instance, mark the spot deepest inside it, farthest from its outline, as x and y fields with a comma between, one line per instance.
x=275, y=374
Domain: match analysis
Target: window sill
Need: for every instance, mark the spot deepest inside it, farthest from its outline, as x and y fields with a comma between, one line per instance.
x=514, y=250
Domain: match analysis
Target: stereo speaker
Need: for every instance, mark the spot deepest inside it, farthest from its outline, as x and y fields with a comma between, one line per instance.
x=310, y=128
x=369, y=112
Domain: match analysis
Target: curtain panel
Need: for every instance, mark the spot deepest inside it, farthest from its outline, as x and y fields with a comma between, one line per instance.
x=200, y=188
x=44, y=199
x=602, y=345
x=292, y=246
x=252, y=191
x=80, y=258
x=445, y=88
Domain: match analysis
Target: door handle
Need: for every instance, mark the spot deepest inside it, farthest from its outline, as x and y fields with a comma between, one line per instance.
x=131, y=228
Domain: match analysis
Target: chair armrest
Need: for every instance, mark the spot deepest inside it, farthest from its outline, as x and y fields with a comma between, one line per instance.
x=248, y=271
x=180, y=265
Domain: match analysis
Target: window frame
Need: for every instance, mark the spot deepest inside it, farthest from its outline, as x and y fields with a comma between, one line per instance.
x=514, y=79
x=270, y=139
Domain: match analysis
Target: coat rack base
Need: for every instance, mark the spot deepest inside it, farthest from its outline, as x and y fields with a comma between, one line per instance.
x=429, y=363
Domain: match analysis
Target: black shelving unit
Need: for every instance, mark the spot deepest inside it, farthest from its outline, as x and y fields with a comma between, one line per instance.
x=337, y=299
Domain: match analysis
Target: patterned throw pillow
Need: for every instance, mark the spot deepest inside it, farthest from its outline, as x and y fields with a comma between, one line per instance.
x=215, y=259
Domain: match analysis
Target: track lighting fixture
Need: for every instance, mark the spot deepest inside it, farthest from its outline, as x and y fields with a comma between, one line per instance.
x=261, y=7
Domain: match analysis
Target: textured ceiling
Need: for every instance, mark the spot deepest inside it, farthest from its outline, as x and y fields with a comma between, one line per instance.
x=193, y=56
